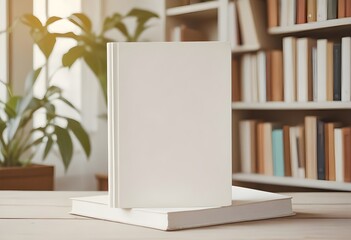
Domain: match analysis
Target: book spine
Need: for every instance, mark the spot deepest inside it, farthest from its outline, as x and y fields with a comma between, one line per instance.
x=236, y=88
x=301, y=151
x=332, y=9
x=329, y=152
x=291, y=12
x=339, y=155
x=314, y=75
x=277, y=75
x=301, y=11
x=347, y=8
x=245, y=146
x=337, y=72
x=311, y=146
x=347, y=153
x=330, y=72
x=346, y=69
x=268, y=154
x=311, y=10
x=278, y=152
x=322, y=10
x=272, y=13
x=320, y=150
x=246, y=78
x=254, y=78
x=289, y=55
x=287, y=151
x=294, y=155
x=284, y=13
x=302, y=69
x=269, y=76
x=322, y=70
x=341, y=8
x=260, y=148
x=261, y=70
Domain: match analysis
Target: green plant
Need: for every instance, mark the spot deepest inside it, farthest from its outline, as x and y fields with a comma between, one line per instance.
x=91, y=46
x=19, y=140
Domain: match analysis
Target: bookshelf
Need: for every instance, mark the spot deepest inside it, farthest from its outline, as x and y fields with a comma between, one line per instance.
x=334, y=25
x=208, y=17
x=213, y=17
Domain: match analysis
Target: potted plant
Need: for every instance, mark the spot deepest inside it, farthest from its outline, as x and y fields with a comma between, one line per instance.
x=91, y=45
x=20, y=141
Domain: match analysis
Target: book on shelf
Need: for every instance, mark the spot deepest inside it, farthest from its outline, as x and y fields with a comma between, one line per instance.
x=247, y=205
x=277, y=81
x=346, y=69
x=248, y=155
x=307, y=69
x=290, y=80
x=321, y=163
x=318, y=150
x=301, y=11
x=278, y=152
x=287, y=145
x=346, y=133
x=236, y=83
x=304, y=69
x=337, y=72
x=143, y=104
x=339, y=155
x=272, y=13
x=290, y=12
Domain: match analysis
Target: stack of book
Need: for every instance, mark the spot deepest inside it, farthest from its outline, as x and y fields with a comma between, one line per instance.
x=317, y=149
x=305, y=70
x=170, y=157
x=289, y=12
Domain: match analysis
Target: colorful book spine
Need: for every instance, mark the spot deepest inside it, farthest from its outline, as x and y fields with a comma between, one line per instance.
x=278, y=152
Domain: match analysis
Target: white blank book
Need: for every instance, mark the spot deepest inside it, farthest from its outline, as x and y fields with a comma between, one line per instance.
x=169, y=121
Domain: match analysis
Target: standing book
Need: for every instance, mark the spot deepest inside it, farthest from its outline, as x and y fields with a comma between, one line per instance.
x=169, y=117
x=247, y=205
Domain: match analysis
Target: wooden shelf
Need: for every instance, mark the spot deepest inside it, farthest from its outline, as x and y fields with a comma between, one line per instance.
x=334, y=24
x=292, y=106
x=289, y=181
x=195, y=11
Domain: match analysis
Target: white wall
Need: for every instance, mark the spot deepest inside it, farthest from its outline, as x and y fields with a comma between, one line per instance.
x=80, y=175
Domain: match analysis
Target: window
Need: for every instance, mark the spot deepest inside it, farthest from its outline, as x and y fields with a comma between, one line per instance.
x=3, y=48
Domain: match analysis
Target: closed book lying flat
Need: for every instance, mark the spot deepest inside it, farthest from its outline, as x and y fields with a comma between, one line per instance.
x=247, y=205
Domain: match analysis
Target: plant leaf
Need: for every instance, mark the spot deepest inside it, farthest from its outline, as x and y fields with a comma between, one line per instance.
x=47, y=44
x=80, y=134
x=111, y=22
x=48, y=147
x=81, y=20
x=68, y=103
x=72, y=55
x=143, y=16
x=64, y=143
x=31, y=79
x=31, y=21
x=53, y=90
x=51, y=20
x=123, y=29
x=11, y=106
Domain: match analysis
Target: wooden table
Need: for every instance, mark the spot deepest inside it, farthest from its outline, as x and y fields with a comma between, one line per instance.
x=44, y=215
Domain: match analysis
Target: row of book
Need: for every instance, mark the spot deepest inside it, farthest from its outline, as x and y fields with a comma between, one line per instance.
x=305, y=70
x=316, y=149
x=289, y=12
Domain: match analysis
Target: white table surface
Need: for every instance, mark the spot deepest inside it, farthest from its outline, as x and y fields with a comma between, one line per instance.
x=45, y=215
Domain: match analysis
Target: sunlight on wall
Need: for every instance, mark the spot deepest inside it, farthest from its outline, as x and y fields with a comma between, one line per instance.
x=3, y=49
x=68, y=79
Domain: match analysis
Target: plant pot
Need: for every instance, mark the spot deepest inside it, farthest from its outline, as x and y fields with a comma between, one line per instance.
x=33, y=177
x=102, y=181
